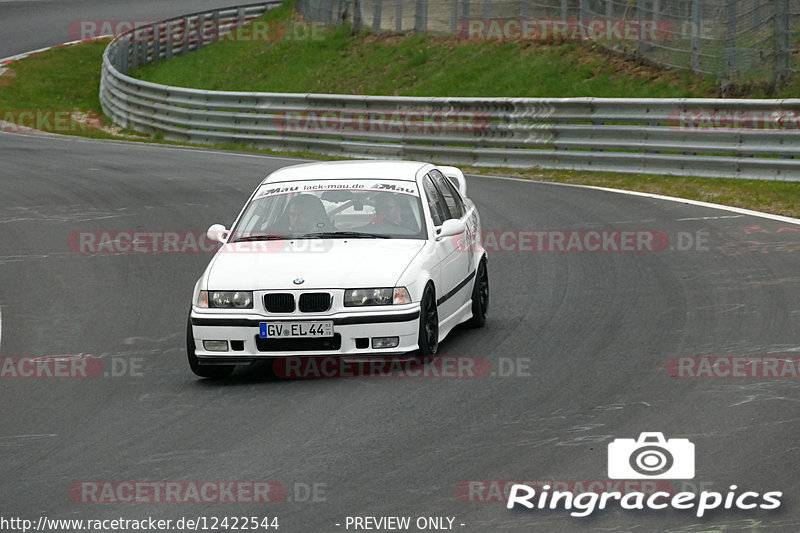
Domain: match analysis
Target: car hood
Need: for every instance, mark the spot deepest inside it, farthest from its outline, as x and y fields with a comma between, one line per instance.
x=328, y=263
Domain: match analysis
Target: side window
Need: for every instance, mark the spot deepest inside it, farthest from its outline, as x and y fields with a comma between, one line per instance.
x=451, y=196
x=436, y=203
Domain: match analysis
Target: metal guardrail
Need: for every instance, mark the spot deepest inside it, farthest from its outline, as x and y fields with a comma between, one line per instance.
x=756, y=139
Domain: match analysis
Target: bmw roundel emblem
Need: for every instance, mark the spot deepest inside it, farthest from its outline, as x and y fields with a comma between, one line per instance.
x=298, y=281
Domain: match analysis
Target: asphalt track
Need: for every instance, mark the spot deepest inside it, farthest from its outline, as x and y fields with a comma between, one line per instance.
x=588, y=334
x=32, y=24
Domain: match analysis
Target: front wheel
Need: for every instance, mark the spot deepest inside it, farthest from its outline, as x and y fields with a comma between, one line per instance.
x=204, y=371
x=428, y=325
x=480, y=296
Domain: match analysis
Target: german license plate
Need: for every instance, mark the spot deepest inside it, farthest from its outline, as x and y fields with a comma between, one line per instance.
x=284, y=330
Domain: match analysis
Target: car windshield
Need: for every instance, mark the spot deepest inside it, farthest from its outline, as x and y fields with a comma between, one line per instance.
x=331, y=209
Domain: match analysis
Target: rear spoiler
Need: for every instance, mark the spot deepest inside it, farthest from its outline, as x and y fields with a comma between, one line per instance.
x=456, y=175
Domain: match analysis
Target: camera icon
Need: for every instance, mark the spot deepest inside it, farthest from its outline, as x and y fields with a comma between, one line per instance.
x=651, y=457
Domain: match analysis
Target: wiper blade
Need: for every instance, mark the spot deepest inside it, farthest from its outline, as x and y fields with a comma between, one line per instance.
x=268, y=237
x=346, y=234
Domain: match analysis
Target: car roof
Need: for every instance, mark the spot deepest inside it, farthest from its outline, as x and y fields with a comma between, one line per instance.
x=337, y=170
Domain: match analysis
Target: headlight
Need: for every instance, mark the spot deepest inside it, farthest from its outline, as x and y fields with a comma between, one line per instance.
x=382, y=296
x=226, y=299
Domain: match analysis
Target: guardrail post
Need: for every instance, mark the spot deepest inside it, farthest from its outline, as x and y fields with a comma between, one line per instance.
x=201, y=31
x=398, y=16
x=640, y=14
x=156, y=41
x=148, y=43
x=524, y=9
x=584, y=15
x=643, y=13
x=376, y=16
x=134, y=51
x=141, y=49
x=124, y=59
x=215, y=29
x=168, y=42
x=782, y=42
x=187, y=35
x=697, y=21
x=355, y=5
x=730, y=43
x=421, y=16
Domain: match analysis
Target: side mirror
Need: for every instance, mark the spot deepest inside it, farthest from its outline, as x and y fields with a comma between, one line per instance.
x=455, y=174
x=218, y=233
x=451, y=227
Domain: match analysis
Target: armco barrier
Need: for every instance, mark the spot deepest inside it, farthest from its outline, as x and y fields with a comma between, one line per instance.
x=756, y=139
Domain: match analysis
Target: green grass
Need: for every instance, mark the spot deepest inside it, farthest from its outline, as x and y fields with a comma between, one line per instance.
x=68, y=78
x=60, y=80
x=419, y=65
x=423, y=65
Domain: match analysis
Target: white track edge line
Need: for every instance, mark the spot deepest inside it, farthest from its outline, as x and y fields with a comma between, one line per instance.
x=731, y=209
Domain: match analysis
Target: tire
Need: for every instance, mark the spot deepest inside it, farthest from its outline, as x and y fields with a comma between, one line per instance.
x=204, y=371
x=480, y=296
x=428, y=326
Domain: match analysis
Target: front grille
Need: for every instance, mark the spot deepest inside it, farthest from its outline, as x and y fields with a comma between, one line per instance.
x=279, y=303
x=315, y=302
x=308, y=344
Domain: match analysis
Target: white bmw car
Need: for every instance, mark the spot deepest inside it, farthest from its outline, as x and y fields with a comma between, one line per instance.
x=349, y=258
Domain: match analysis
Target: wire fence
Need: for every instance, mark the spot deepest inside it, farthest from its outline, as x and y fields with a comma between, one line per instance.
x=734, y=41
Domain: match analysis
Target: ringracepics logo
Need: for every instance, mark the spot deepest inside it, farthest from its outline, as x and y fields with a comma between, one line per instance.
x=650, y=456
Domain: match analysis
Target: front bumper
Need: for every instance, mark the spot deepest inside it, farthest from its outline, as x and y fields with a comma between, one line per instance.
x=353, y=334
